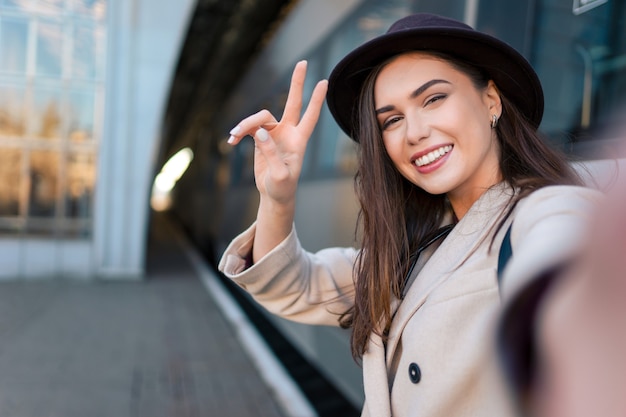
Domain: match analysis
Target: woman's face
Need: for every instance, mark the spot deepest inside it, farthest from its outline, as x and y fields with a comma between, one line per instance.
x=436, y=127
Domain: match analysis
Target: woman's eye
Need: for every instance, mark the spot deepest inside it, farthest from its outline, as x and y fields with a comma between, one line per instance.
x=387, y=123
x=435, y=98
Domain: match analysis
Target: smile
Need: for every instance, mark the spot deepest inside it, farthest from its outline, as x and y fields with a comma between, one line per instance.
x=433, y=156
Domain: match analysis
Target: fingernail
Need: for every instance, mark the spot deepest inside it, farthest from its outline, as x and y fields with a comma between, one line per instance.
x=262, y=135
x=235, y=130
x=231, y=139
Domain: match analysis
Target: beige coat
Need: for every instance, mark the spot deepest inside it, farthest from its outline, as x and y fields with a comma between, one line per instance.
x=441, y=337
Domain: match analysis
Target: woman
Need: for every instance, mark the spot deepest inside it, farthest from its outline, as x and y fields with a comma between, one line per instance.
x=446, y=119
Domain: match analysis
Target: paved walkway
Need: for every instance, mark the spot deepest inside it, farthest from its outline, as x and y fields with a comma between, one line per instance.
x=157, y=348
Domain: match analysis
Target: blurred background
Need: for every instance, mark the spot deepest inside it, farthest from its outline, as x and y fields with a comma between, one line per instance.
x=113, y=112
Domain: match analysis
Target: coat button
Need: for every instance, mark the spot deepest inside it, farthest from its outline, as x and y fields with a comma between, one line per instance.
x=414, y=373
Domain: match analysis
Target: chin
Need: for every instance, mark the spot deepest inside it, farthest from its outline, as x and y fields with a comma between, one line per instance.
x=434, y=189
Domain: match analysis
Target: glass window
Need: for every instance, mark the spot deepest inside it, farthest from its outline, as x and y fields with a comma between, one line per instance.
x=13, y=45
x=12, y=110
x=580, y=59
x=48, y=113
x=48, y=6
x=581, y=62
x=81, y=178
x=52, y=61
x=84, y=58
x=49, y=49
x=81, y=116
x=96, y=9
x=99, y=36
x=13, y=4
x=44, y=183
x=10, y=179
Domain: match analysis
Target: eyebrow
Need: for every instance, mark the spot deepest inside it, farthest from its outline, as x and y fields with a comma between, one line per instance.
x=414, y=94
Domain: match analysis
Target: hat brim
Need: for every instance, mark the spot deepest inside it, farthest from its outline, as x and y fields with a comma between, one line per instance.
x=511, y=72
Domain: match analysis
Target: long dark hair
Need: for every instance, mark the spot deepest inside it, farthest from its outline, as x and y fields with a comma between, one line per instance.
x=396, y=216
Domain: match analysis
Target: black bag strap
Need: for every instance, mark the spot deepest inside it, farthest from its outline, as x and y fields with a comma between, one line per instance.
x=429, y=240
x=506, y=251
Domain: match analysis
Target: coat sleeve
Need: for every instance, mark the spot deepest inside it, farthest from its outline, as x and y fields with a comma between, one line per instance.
x=311, y=288
x=548, y=230
x=548, y=233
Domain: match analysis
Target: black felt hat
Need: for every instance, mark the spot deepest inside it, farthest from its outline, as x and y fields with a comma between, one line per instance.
x=423, y=31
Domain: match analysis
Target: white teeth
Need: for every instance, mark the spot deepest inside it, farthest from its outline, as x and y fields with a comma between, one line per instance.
x=431, y=157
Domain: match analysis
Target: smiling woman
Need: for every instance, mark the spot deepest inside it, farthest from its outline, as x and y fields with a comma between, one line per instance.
x=438, y=135
x=450, y=159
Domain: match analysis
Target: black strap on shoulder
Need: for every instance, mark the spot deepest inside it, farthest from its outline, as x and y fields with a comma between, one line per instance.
x=429, y=240
x=506, y=251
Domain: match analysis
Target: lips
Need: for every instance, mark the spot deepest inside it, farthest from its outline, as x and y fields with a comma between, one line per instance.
x=432, y=156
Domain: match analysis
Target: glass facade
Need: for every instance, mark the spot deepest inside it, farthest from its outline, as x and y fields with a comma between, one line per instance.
x=52, y=55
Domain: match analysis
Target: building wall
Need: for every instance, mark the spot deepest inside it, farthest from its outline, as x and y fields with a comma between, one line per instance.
x=83, y=86
x=143, y=55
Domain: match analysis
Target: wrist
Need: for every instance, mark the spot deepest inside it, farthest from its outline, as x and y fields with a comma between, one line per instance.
x=274, y=223
x=277, y=208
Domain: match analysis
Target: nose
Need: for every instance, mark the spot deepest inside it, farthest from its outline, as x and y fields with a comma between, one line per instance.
x=416, y=129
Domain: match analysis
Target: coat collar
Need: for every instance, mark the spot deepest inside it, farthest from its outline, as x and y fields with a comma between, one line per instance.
x=463, y=240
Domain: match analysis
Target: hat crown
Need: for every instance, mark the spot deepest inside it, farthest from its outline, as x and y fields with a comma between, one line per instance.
x=426, y=20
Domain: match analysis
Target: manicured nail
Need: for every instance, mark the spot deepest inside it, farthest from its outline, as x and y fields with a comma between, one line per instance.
x=231, y=139
x=262, y=135
x=235, y=130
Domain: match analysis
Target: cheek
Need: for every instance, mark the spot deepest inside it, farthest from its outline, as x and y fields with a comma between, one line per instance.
x=470, y=124
x=392, y=147
x=395, y=152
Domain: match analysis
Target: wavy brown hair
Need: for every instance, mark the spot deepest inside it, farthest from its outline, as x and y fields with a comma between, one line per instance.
x=396, y=216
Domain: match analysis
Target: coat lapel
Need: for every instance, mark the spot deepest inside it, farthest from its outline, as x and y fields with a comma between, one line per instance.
x=466, y=236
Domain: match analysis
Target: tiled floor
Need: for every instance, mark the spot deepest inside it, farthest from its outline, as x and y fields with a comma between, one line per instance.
x=156, y=348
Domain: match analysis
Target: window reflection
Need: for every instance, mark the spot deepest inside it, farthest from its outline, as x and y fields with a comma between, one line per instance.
x=80, y=113
x=52, y=56
x=81, y=177
x=93, y=8
x=17, y=4
x=47, y=114
x=14, y=36
x=49, y=49
x=10, y=174
x=84, y=56
x=48, y=6
x=44, y=181
x=580, y=59
x=12, y=113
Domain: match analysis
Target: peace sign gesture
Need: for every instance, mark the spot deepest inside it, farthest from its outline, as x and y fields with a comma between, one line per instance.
x=280, y=145
x=278, y=155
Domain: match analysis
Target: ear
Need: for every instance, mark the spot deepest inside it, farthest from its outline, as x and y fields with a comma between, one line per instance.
x=492, y=99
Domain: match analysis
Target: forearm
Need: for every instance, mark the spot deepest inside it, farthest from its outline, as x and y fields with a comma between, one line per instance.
x=292, y=283
x=273, y=225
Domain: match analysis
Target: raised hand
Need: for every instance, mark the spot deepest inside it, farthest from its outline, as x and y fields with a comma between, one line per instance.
x=280, y=145
x=278, y=156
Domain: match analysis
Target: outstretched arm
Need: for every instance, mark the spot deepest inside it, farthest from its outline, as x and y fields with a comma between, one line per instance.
x=278, y=156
